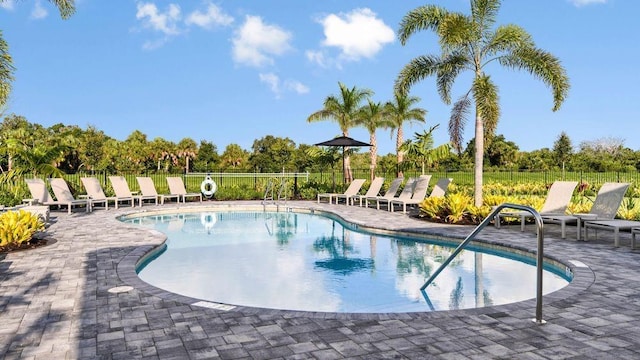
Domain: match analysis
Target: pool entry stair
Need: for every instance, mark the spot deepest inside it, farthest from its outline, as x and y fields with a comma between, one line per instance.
x=540, y=256
x=270, y=195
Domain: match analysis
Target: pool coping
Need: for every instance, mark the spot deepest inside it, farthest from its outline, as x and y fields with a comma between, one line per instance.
x=583, y=275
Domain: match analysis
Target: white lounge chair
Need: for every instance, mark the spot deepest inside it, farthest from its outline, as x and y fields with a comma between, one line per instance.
x=373, y=190
x=123, y=193
x=352, y=190
x=406, y=193
x=615, y=225
x=39, y=193
x=176, y=187
x=148, y=189
x=64, y=196
x=605, y=207
x=96, y=193
x=556, y=203
x=389, y=194
x=418, y=195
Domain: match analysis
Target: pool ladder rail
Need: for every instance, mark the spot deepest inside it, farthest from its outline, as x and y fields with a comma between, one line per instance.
x=270, y=196
x=482, y=225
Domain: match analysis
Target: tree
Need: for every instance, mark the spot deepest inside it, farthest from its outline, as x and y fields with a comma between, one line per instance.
x=163, y=153
x=234, y=157
x=272, y=154
x=469, y=42
x=207, y=157
x=401, y=110
x=187, y=149
x=66, y=8
x=562, y=150
x=344, y=110
x=420, y=150
x=372, y=117
x=501, y=152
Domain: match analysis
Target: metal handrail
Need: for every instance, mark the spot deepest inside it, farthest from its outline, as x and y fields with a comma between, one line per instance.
x=482, y=225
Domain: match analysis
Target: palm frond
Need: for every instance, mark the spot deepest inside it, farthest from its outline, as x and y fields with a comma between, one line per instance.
x=544, y=66
x=484, y=12
x=449, y=69
x=507, y=38
x=485, y=93
x=458, y=120
x=455, y=31
x=416, y=70
x=66, y=7
x=426, y=17
x=6, y=71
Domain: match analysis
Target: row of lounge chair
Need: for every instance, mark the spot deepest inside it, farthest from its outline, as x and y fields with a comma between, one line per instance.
x=96, y=195
x=413, y=193
x=601, y=216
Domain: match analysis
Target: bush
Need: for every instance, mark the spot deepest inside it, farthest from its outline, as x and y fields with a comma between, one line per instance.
x=238, y=192
x=18, y=227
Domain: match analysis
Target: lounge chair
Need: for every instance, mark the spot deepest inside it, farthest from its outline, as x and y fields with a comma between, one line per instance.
x=39, y=193
x=373, y=190
x=406, y=193
x=352, y=190
x=176, y=187
x=123, y=193
x=389, y=194
x=148, y=189
x=556, y=203
x=64, y=197
x=95, y=192
x=615, y=225
x=605, y=207
x=418, y=195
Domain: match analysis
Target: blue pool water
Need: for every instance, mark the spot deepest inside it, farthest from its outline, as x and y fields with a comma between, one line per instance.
x=299, y=261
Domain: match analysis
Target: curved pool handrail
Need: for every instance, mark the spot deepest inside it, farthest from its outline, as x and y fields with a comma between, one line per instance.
x=482, y=225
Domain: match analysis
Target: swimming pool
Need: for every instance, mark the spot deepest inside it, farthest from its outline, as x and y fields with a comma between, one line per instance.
x=311, y=262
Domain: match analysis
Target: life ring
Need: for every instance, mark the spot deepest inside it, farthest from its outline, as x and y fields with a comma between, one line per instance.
x=208, y=187
x=208, y=220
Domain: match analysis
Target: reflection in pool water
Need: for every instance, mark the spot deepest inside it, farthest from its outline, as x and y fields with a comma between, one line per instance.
x=308, y=262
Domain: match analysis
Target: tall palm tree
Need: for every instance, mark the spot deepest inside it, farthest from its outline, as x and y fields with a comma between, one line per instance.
x=66, y=8
x=401, y=110
x=469, y=42
x=372, y=117
x=344, y=110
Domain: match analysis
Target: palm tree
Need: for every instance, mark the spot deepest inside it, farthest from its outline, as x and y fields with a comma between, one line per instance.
x=420, y=149
x=372, y=117
x=401, y=110
x=344, y=110
x=469, y=42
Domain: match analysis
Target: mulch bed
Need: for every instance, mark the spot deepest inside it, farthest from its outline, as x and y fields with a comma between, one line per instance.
x=32, y=244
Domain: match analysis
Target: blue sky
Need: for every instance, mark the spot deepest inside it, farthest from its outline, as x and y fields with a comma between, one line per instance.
x=234, y=71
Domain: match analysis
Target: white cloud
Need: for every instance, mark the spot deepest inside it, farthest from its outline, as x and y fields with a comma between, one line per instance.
x=358, y=34
x=296, y=86
x=38, y=11
x=214, y=16
x=255, y=43
x=580, y=3
x=165, y=23
x=278, y=87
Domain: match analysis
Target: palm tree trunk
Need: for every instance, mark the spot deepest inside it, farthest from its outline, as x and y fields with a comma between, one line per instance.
x=479, y=157
x=399, y=154
x=373, y=154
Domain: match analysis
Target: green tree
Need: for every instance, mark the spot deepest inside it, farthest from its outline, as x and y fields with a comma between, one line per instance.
x=187, y=149
x=134, y=153
x=400, y=110
x=234, y=157
x=420, y=150
x=373, y=117
x=344, y=110
x=163, y=154
x=207, y=157
x=469, y=42
x=501, y=152
x=272, y=154
x=562, y=150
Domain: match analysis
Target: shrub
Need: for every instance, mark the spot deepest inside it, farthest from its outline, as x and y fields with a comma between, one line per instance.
x=18, y=227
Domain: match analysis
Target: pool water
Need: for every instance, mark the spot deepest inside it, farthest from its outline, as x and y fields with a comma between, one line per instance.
x=301, y=261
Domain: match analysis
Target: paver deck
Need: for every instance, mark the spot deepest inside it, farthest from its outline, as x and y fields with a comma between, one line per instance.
x=55, y=303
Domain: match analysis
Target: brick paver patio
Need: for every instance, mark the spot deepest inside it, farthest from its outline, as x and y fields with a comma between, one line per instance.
x=55, y=303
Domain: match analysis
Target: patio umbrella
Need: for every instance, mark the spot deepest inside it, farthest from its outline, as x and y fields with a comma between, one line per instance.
x=343, y=141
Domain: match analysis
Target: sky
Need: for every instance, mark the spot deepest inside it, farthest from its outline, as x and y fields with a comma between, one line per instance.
x=234, y=71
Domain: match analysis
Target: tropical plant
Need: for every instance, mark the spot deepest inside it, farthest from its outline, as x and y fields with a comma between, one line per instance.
x=17, y=227
x=372, y=117
x=469, y=42
x=401, y=110
x=420, y=150
x=344, y=110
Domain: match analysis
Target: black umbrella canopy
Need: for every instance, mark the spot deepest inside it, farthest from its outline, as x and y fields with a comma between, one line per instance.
x=343, y=141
